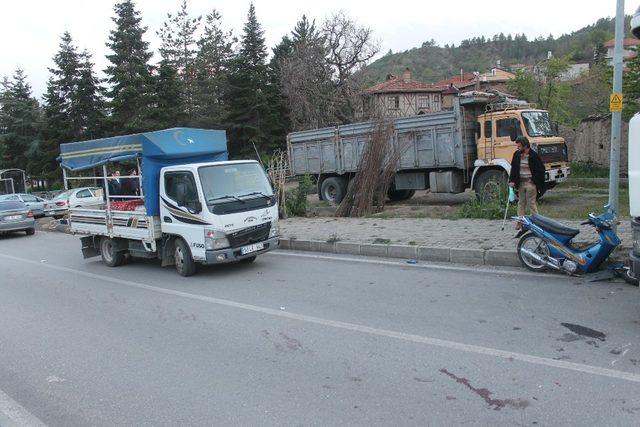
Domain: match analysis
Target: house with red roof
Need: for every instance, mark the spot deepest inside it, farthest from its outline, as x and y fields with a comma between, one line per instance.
x=401, y=97
x=627, y=52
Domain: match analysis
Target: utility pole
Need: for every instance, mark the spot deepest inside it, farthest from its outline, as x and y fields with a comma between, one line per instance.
x=615, y=106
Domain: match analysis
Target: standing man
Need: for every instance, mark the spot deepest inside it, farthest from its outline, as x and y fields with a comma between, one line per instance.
x=527, y=176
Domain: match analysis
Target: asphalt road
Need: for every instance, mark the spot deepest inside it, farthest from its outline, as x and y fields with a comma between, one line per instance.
x=301, y=339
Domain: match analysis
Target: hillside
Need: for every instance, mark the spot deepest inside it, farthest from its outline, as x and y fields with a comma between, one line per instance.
x=431, y=63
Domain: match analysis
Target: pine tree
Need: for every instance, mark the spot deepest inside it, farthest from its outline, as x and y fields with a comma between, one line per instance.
x=249, y=110
x=167, y=98
x=178, y=50
x=20, y=120
x=215, y=51
x=88, y=105
x=129, y=74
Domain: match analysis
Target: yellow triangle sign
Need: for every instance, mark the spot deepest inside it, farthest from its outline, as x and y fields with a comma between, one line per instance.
x=615, y=102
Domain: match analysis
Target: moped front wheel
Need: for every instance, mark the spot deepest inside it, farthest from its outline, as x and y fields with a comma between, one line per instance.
x=535, y=244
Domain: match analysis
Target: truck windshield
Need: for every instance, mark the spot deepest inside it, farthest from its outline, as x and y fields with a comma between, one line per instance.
x=230, y=182
x=537, y=123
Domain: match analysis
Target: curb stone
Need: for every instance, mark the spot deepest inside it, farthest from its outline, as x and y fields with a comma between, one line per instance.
x=493, y=257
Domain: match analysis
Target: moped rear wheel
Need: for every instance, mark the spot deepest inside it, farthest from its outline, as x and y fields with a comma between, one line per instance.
x=536, y=245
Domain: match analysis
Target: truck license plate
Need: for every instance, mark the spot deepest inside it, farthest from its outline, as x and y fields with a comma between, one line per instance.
x=251, y=248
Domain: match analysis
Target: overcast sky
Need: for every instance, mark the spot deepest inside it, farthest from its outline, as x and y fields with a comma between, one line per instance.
x=30, y=29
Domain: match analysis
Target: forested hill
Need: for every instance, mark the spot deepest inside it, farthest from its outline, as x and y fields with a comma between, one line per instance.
x=431, y=63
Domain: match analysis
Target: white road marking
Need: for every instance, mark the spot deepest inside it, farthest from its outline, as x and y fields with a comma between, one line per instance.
x=436, y=342
x=426, y=265
x=12, y=414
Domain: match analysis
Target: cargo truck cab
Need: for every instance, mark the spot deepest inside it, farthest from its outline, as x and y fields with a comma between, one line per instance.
x=496, y=131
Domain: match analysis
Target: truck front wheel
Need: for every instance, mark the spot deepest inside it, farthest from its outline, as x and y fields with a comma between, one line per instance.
x=110, y=255
x=491, y=185
x=185, y=265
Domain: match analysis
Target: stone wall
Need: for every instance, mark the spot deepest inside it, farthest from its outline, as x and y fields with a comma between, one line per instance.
x=591, y=142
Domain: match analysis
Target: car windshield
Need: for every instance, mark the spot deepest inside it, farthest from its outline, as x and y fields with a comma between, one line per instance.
x=11, y=205
x=222, y=183
x=538, y=123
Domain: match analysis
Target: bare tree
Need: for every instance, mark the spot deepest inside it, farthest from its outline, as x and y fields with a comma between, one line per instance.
x=349, y=49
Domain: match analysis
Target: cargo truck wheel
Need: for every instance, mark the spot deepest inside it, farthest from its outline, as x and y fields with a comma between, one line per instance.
x=491, y=185
x=185, y=265
x=110, y=255
x=333, y=189
x=398, y=195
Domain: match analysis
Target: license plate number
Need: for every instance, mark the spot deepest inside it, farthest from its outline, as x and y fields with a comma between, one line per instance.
x=251, y=248
x=13, y=217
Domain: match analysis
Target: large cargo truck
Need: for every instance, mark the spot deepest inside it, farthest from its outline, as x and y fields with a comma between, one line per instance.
x=469, y=146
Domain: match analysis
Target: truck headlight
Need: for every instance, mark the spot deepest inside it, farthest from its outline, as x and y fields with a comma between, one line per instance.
x=214, y=239
x=275, y=229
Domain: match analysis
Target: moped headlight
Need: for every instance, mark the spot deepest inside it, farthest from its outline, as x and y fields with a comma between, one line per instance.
x=214, y=239
x=275, y=229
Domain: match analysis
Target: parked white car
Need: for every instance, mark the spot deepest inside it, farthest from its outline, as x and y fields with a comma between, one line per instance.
x=84, y=197
x=34, y=203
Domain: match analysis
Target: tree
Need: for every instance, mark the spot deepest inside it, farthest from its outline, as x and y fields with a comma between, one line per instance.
x=349, y=49
x=19, y=123
x=178, y=50
x=167, y=98
x=215, y=51
x=249, y=110
x=128, y=74
x=88, y=105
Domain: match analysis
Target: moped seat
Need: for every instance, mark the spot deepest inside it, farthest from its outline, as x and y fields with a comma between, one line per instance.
x=553, y=226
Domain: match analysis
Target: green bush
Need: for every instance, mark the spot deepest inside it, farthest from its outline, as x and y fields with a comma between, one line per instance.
x=490, y=207
x=296, y=200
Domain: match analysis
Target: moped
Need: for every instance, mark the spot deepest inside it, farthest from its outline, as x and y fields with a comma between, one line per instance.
x=548, y=244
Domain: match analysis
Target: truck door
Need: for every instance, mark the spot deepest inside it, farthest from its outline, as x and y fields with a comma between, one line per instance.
x=180, y=210
x=503, y=146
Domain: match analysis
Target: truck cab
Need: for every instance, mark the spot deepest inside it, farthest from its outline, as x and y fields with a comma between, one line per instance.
x=225, y=211
x=497, y=129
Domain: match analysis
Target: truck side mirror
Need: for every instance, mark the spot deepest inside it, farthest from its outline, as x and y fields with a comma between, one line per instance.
x=477, y=129
x=556, y=129
x=194, y=207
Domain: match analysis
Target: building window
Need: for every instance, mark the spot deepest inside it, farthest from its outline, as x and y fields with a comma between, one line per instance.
x=423, y=102
x=436, y=103
x=394, y=102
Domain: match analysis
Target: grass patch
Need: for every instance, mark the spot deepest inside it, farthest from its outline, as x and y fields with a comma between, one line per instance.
x=588, y=170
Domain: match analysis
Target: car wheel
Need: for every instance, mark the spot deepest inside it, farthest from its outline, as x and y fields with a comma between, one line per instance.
x=185, y=265
x=110, y=256
x=30, y=231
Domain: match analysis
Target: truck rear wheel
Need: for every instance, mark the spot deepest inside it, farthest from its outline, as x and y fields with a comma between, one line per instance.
x=333, y=189
x=110, y=255
x=491, y=185
x=185, y=265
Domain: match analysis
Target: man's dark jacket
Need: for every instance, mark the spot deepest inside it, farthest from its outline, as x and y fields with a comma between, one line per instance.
x=535, y=165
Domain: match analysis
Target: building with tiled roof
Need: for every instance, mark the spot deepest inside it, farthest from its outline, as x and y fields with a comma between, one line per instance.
x=627, y=52
x=401, y=97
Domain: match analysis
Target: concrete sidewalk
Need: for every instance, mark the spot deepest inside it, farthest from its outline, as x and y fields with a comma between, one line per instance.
x=479, y=242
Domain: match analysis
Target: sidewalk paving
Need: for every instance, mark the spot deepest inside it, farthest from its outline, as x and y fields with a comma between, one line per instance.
x=466, y=241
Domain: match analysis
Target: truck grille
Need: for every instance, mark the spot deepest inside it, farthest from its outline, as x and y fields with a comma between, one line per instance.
x=552, y=153
x=246, y=236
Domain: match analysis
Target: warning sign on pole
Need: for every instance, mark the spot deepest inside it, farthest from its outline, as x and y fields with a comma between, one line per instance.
x=615, y=103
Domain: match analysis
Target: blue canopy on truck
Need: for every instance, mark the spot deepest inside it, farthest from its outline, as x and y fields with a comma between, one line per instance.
x=156, y=149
